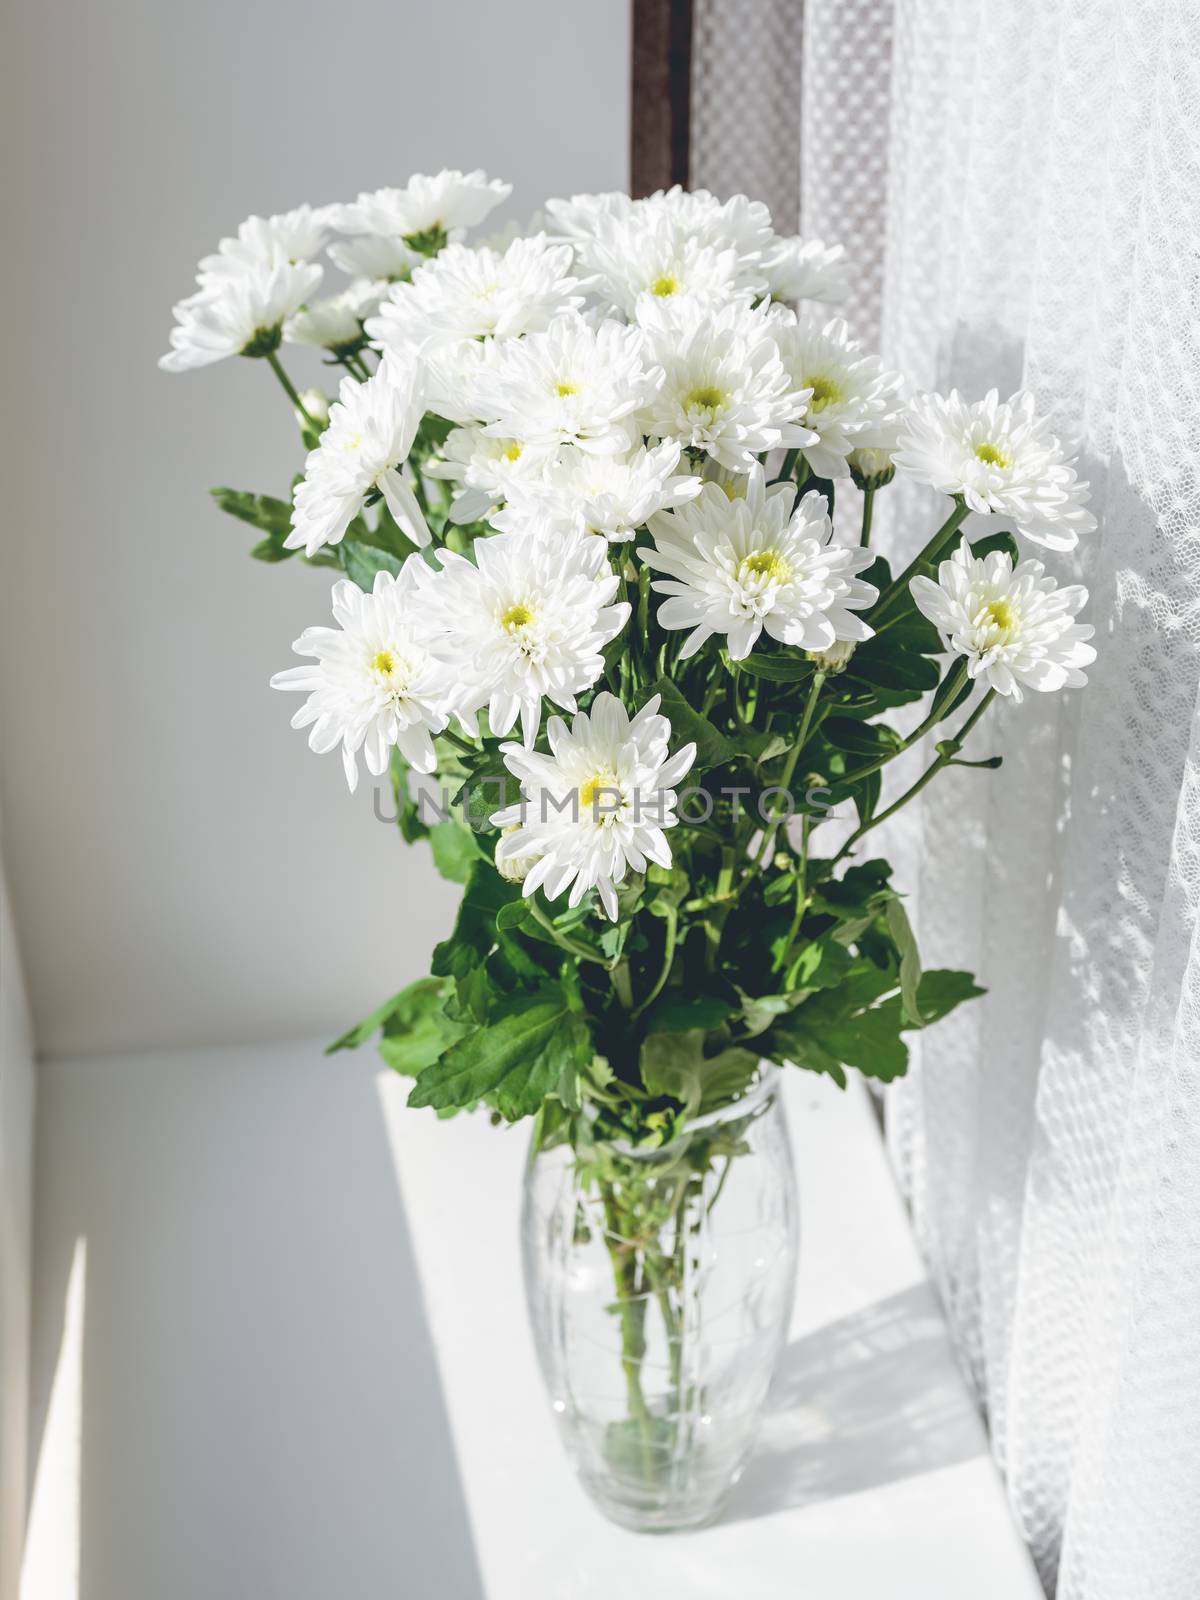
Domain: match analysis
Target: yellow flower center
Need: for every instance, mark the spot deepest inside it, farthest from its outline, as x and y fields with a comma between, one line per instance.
x=825, y=392
x=991, y=455
x=767, y=564
x=1002, y=616
x=384, y=663
x=565, y=388
x=513, y=452
x=707, y=397
x=664, y=286
x=517, y=616
x=599, y=792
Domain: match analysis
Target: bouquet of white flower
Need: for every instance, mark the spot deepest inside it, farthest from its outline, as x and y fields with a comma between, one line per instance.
x=584, y=481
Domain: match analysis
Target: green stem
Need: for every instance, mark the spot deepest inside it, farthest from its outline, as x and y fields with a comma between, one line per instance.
x=868, y=512
x=897, y=591
x=457, y=739
x=943, y=759
x=289, y=388
x=788, y=773
x=631, y=1311
x=946, y=692
x=572, y=946
x=669, y=935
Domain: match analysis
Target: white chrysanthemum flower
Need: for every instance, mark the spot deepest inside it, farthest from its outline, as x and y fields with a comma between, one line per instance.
x=239, y=315
x=597, y=805
x=362, y=451
x=447, y=202
x=1014, y=627
x=374, y=684
x=725, y=389
x=852, y=400
x=488, y=468
x=610, y=495
x=805, y=269
x=581, y=215
x=287, y=239
x=475, y=294
x=695, y=216
x=382, y=257
x=744, y=565
x=737, y=224
x=336, y=322
x=576, y=383
x=999, y=457
x=637, y=254
x=527, y=619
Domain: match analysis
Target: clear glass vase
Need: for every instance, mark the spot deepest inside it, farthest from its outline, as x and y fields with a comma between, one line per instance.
x=660, y=1286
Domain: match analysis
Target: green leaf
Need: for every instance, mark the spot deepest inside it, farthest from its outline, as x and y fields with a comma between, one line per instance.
x=670, y=1064
x=940, y=990
x=517, y=1059
x=474, y=936
x=900, y=929
x=263, y=511
x=362, y=1031
x=454, y=850
x=1002, y=541
x=867, y=739
x=408, y=814
x=713, y=749
x=417, y=1030
x=360, y=562
x=777, y=668
x=725, y=1076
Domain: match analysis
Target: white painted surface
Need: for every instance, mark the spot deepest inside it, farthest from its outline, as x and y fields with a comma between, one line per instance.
x=183, y=870
x=237, y=1399
x=16, y=1202
x=871, y=1480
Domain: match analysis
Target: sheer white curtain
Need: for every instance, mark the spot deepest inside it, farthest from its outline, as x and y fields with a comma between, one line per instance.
x=1031, y=216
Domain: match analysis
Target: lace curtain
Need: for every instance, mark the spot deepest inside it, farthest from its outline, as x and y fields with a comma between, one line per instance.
x=1019, y=184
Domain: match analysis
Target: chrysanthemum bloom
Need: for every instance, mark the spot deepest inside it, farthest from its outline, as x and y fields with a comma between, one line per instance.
x=374, y=683
x=286, y=239
x=805, y=269
x=750, y=564
x=526, y=619
x=725, y=390
x=336, y=322
x=999, y=457
x=241, y=314
x=852, y=401
x=362, y=452
x=488, y=468
x=640, y=254
x=573, y=384
x=444, y=204
x=383, y=258
x=475, y=294
x=597, y=805
x=694, y=216
x=610, y=495
x=1013, y=627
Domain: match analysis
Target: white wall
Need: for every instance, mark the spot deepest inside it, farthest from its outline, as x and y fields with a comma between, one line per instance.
x=16, y=1200
x=182, y=869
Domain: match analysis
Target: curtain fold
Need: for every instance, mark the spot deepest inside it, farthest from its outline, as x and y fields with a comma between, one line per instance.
x=1030, y=216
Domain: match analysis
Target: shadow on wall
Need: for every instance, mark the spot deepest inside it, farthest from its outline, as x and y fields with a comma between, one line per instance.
x=862, y=1402
x=261, y=1410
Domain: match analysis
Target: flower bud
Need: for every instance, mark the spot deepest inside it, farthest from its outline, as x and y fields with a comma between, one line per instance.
x=871, y=468
x=514, y=869
x=836, y=658
x=316, y=404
